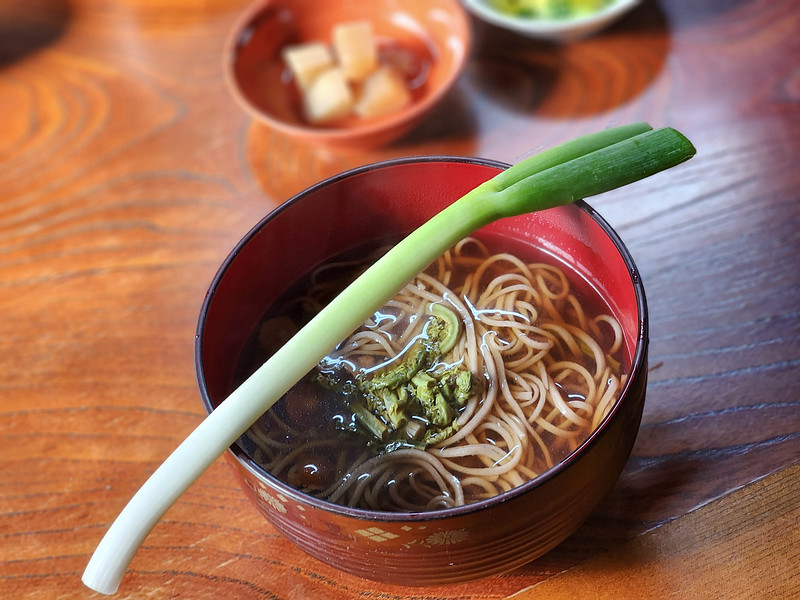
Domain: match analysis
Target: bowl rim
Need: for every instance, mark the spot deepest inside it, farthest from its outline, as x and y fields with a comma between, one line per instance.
x=638, y=361
x=339, y=134
x=547, y=26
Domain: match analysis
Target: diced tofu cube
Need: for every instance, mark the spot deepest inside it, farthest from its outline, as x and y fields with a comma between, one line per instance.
x=329, y=97
x=307, y=61
x=355, y=49
x=383, y=92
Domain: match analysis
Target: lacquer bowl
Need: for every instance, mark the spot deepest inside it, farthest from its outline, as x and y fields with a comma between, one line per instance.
x=488, y=537
x=434, y=35
x=554, y=30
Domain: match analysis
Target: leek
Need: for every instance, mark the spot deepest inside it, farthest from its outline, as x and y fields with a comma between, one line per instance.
x=584, y=167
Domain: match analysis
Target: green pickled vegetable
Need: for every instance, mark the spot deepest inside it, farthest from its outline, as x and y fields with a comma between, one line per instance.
x=373, y=424
x=445, y=329
x=549, y=9
x=416, y=401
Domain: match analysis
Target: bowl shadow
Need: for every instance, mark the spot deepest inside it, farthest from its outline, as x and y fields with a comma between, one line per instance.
x=282, y=166
x=570, y=80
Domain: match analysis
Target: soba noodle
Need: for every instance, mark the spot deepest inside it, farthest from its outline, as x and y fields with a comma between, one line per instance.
x=548, y=377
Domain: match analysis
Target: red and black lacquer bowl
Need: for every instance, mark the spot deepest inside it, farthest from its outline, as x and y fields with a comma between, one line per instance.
x=446, y=546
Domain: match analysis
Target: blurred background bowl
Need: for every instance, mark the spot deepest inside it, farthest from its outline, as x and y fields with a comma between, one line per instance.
x=555, y=30
x=434, y=35
x=456, y=544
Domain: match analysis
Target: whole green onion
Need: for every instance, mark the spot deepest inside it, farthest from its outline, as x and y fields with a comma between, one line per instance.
x=583, y=167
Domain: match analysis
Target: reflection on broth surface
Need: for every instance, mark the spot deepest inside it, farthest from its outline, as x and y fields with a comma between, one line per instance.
x=482, y=373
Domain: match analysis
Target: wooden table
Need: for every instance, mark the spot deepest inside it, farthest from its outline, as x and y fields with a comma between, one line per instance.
x=127, y=173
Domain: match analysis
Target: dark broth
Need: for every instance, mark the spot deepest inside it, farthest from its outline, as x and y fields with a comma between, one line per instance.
x=309, y=412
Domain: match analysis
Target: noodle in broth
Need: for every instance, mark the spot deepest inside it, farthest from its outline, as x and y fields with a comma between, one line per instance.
x=547, y=371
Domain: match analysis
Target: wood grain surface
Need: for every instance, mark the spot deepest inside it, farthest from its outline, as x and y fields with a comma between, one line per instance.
x=127, y=174
x=730, y=548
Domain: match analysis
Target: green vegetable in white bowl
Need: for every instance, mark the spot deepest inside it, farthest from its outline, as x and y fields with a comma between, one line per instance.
x=549, y=9
x=553, y=20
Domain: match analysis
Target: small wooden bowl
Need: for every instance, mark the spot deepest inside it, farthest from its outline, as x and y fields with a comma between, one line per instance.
x=445, y=546
x=433, y=34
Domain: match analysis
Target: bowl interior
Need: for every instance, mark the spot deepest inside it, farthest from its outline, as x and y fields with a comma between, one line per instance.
x=392, y=198
x=431, y=35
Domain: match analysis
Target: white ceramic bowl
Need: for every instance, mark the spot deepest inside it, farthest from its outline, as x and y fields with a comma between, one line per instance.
x=558, y=30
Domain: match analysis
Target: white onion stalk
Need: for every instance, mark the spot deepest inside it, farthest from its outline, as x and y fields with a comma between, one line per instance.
x=583, y=167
